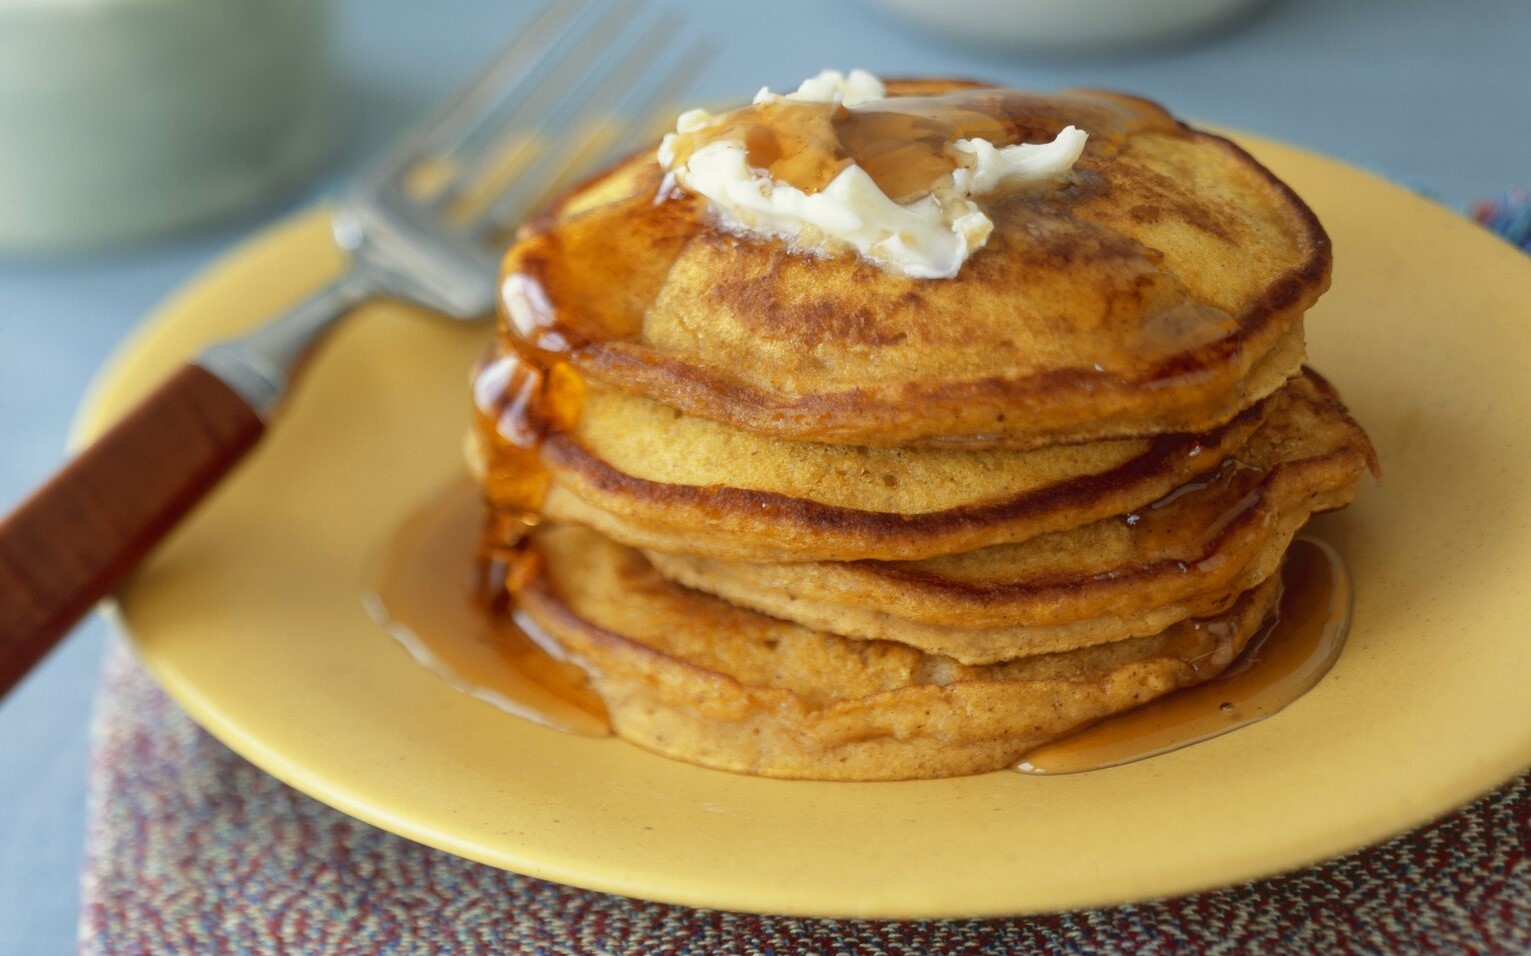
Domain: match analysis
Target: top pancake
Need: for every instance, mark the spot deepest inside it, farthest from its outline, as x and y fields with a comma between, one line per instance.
x=1146, y=293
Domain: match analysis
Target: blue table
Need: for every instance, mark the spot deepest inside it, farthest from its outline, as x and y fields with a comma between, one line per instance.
x=1432, y=96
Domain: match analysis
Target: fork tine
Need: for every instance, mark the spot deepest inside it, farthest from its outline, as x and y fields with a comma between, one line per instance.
x=473, y=107
x=563, y=82
x=648, y=112
x=573, y=156
x=402, y=222
x=565, y=138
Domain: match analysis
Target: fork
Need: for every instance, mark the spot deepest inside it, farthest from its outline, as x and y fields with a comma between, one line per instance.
x=423, y=225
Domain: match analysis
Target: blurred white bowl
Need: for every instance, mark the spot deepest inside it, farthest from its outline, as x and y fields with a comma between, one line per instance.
x=1067, y=26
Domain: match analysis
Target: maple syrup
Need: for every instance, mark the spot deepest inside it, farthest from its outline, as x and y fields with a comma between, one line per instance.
x=1192, y=519
x=436, y=594
x=1278, y=666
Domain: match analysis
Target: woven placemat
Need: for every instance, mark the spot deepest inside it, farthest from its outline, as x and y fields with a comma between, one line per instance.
x=191, y=849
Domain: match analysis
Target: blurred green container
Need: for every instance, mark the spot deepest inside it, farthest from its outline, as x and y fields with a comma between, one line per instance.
x=125, y=119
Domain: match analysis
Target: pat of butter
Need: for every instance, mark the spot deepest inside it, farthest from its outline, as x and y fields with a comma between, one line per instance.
x=928, y=238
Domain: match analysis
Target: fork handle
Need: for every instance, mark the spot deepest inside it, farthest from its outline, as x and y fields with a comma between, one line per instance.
x=78, y=536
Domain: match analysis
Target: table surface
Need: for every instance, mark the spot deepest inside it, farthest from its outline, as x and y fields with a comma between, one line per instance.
x=1431, y=97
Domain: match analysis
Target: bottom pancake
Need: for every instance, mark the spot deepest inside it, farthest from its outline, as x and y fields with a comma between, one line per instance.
x=696, y=678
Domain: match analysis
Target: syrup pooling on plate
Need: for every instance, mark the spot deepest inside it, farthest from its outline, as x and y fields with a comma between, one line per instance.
x=1278, y=666
x=443, y=598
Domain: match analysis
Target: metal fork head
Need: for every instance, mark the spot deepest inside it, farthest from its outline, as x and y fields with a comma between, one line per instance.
x=429, y=222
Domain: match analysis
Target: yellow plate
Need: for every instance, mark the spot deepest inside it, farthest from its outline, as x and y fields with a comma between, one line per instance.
x=251, y=618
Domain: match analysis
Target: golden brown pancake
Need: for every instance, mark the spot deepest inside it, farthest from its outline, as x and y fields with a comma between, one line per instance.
x=1188, y=555
x=652, y=477
x=1159, y=289
x=696, y=678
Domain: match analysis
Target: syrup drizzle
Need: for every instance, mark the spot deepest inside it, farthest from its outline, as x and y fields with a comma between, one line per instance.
x=1278, y=666
x=1192, y=519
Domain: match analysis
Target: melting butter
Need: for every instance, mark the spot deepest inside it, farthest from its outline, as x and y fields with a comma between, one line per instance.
x=838, y=166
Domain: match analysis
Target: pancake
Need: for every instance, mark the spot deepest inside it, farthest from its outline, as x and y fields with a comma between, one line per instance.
x=1159, y=289
x=1188, y=555
x=800, y=516
x=652, y=477
x=696, y=678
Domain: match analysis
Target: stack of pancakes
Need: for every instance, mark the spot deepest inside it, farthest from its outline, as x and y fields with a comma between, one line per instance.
x=801, y=517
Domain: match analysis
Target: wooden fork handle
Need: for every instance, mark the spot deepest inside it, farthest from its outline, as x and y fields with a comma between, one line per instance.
x=78, y=536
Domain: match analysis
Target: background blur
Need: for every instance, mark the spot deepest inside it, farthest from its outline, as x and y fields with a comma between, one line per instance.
x=1432, y=95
